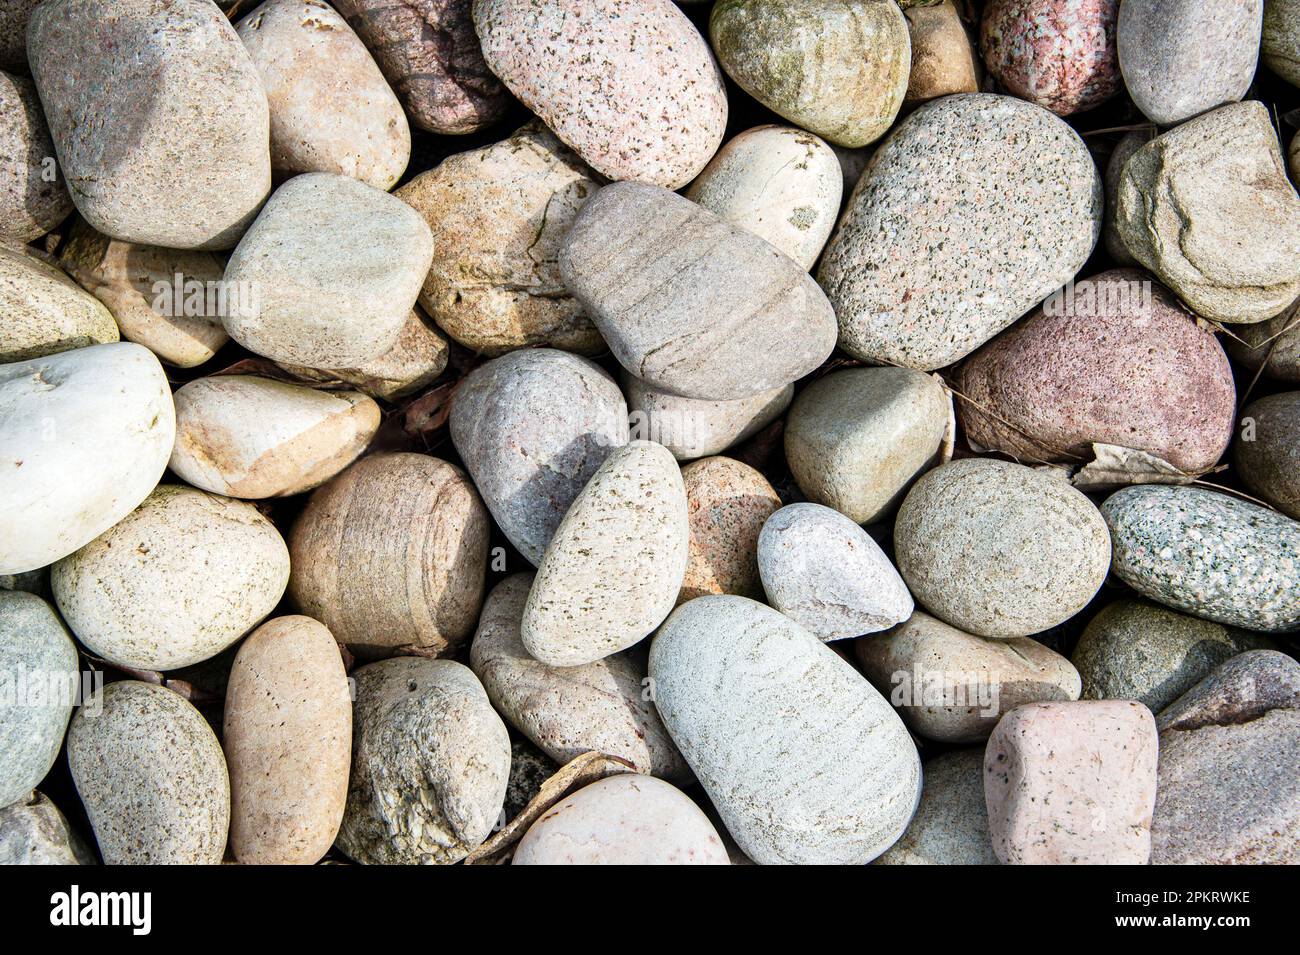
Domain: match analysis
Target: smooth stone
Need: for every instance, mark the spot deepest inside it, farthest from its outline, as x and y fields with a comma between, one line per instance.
x=825, y=572
x=973, y=211
x=1273, y=345
x=1115, y=360
x=1268, y=459
x=1208, y=207
x=331, y=109
x=1229, y=793
x=34, y=832
x=727, y=504
x=288, y=743
x=178, y=580
x=30, y=203
x=1208, y=554
x=392, y=554
x=613, y=570
x=600, y=707
x=944, y=62
x=1280, y=41
x=430, y=54
x=805, y=762
x=250, y=437
x=73, y=464
x=121, y=105
x=856, y=439
x=1000, y=550
x=690, y=303
x=39, y=667
x=334, y=267
x=45, y=312
x=499, y=215
x=532, y=428
x=1124, y=150
x=605, y=77
x=623, y=820
x=430, y=763
x=14, y=17
x=780, y=183
x=837, y=68
x=953, y=686
x=694, y=428
x=1181, y=58
x=151, y=774
x=951, y=825
x=1134, y=650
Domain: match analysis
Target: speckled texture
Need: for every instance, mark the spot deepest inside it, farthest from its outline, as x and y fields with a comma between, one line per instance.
x=623, y=820
x=1059, y=54
x=1280, y=47
x=613, y=570
x=250, y=437
x=727, y=503
x=1269, y=463
x=1208, y=208
x=331, y=109
x=56, y=495
x=605, y=75
x=835, y=786
x=392, y=553
x=1183, y=57
x=1114, y=361
x=121, y=102
x=1228, y=792
x=499, y=215
x=973, y=211
x=39, y=669
x=998, y=549
x=600, y=707
x=151, y=774
x=780, y=183
x=951, y=825
x=14, y=16
x=45, y=311
x=943, y=57
x=953, y=686
x=1072, y=783
x=178, y=580
x=34, y=832
x=1209, y=554
x=429, y=52
x=30, y=206
x=1124, y=149
x=695, y=428
x=430, y=763
x=288, y=743
x=689, y=302
x=1274, y=344
x=837, y=68
x=532, y=428
x=857, y=438
x=529, y=769
x=823, y=571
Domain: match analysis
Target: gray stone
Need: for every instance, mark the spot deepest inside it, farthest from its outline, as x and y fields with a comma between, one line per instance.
x=695, y=428
x=951, y=825
x=34, y=832
x=1273, y=345
x=1124, y=150
x=529, y=769
x=1280, y=46
x=30, y=203
x=1267, y=457
x=14, y=16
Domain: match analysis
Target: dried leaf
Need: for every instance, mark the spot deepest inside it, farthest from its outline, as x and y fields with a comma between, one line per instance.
x=429, y=412
x=1115, y=466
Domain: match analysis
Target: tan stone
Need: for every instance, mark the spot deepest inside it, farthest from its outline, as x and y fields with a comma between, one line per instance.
x=943, y=57
x=727, y=503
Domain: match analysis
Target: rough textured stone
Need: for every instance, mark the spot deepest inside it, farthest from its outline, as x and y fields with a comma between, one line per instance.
x=836, y=785
x=951, y=825
x=1273, y=345
x=972, y=212
x=695, y=428
x=121, y=102
x=34, y=832
x=45, y=311
x=943, y=58
x=604, y=74
x=727, y=503
x=1280, y=46
x=1268, y=461
x=1124, y=150
x=14, y=17
x=33, y=196
x=690, y=303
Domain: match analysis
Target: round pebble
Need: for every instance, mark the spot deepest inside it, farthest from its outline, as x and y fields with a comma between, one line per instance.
x=727, y=504
x=1267, y=453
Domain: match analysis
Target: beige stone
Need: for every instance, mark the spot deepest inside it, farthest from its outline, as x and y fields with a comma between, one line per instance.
x=943, y=58
x=44, y=311
x=33, y=196
x=727, y=503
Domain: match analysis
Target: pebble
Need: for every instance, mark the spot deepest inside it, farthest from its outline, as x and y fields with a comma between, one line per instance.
x=250, y=437
x=1072, y=783
x=1124, y=149
x=837, y=68
x=953, y=686
x=178, y=580
x=34, y=832
x=1280, y=47
x=613, y=570
x=973, y=210
x=45, y=311
x=695, y=428
x=727, y=504
x=623, y=820
x=856, y=439
x=532, y=428
x=1000, y=550
x=1273, y=345
x=951, y=825
x=824, y=572
x=100, y=72
x=1208, y=554
x=151, y=774
x=1267, y=456
x=943, y=58
x=605, y=76
x=333, y=267
x=33, y=196
x=690, y=303
x=14, y=17
x=71, y=464
x=836, y=785
x=430, y=763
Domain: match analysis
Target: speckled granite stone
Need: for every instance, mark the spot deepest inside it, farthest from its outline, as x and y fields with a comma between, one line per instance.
x=1280, y=47
x=30, y=206
x=34, y=832
x=951, y=825
x=1269, y=461
x=14, y=17
x=727, y=503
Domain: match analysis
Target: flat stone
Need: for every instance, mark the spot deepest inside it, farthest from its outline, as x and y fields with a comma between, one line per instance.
x=45, y=311
x=696, y=428
x=33, y=198
x=1280, y=44
x=943, y=58
x=34, y=832
x=951, y=825
x=1268, y=461
x=1273, y=345
x=727, y=503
